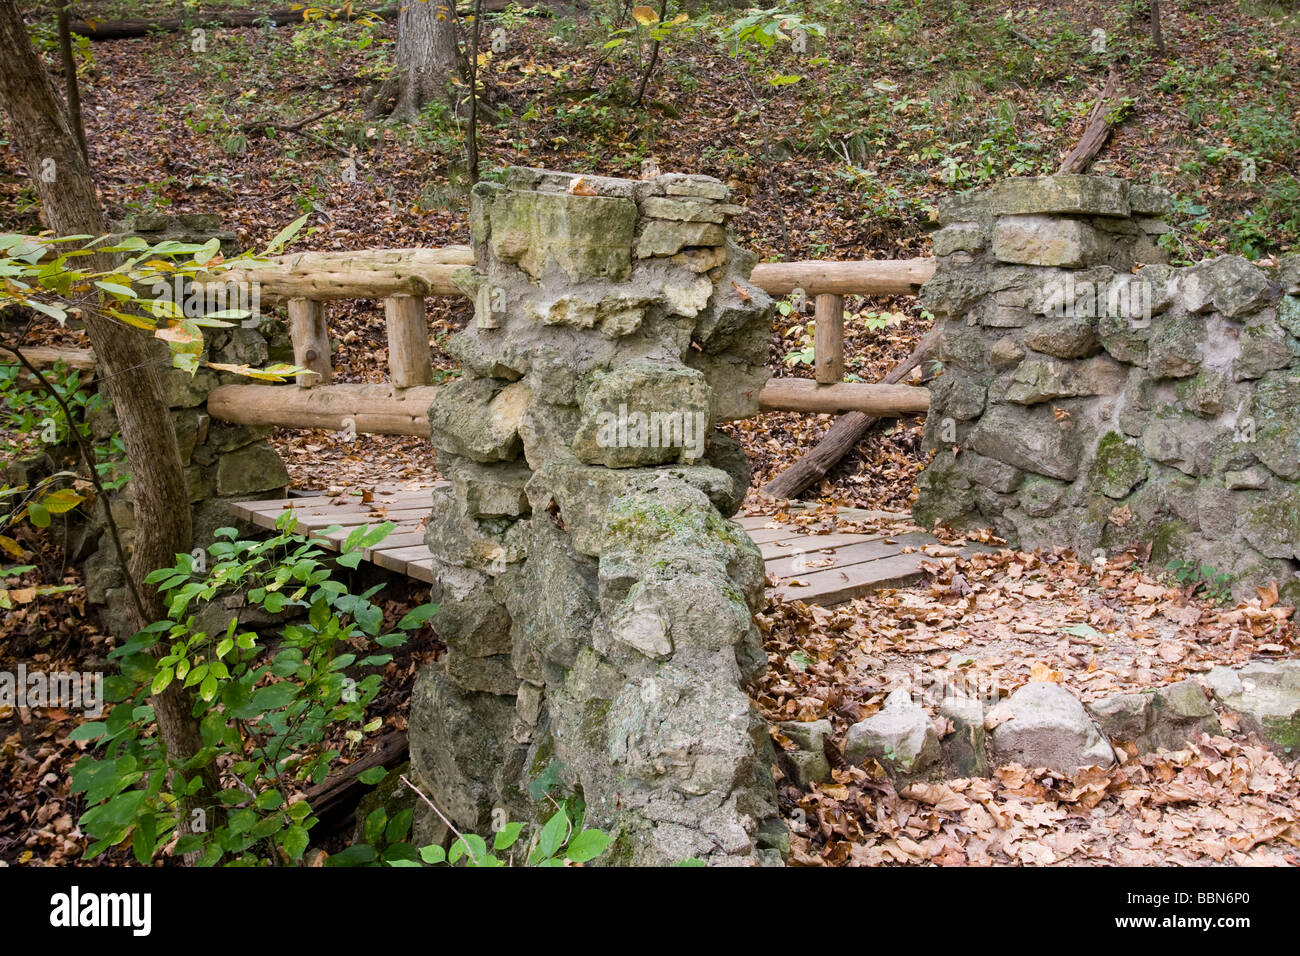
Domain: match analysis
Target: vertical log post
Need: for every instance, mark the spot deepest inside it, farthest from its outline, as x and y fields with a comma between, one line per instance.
x=311, y=341
x=828, y=343
x=409, y=359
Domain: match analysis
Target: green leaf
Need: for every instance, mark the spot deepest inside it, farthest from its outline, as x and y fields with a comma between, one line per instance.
x=553, y=834
x=587, y=845
x=274, y=696
x=416, y=617
x=160, y=682
x=295, y=841
x=358, y=854
x=373, y=775
x=507, y=835
x=433, y=854
x=40, y=517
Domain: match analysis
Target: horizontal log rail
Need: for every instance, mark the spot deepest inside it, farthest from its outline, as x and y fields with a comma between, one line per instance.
x=387, y=410
x=305, y=281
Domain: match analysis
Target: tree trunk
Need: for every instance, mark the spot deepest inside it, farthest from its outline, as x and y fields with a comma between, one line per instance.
x=127, y=360
x=427, y=58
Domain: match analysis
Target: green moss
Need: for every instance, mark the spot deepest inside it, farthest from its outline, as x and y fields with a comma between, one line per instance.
x=1117, y=466
x=1169, y=541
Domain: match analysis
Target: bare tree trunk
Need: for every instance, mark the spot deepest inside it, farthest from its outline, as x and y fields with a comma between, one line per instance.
x=427, y=58
x=59, y=170
x=69, y=62
x=1157, y=35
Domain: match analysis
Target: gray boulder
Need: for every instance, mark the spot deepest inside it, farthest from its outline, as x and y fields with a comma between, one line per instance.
x=1043, y=725
x=901, y=737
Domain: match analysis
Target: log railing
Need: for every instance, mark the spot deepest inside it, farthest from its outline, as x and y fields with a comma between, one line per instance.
x=403, y=278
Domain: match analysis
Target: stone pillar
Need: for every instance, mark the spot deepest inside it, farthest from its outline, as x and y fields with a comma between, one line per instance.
x=1090, y=403
x=595, y=600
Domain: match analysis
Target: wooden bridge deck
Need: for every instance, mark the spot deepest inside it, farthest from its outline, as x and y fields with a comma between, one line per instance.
x=816, y=568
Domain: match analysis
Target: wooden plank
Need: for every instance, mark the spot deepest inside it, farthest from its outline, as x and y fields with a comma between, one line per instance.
x=806, y=542
x=800, y=563
x=835, y=586
x=398, y=558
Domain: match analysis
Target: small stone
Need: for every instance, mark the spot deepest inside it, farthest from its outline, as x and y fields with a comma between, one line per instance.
x=809, y=768
x=1250, y=479
x=680, y=210
x=806, y=735
x=1266, y=696
x=1029, y=439
x=971, y=206
x=660, y=238
x=1043, y=725
x=700, y=187
x=959, y=237
x=255, y=467
x=1146, y=200
x=1006, y=352
x=1068, y=338
x=900, y=737
x=965, y=749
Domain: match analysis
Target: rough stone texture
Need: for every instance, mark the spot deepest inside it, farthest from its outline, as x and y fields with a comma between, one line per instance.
x=1266, y=696
x=1043, y=725
x=1120, y=407
x=596, y=602
x=965, y=750
x=900, y=737
x=1167, y=718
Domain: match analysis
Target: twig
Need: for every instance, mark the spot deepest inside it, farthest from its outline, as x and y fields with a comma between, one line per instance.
x=291, y=127
x=442, y=816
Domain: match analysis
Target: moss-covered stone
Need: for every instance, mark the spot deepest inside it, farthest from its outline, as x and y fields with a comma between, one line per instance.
x=1118, y=466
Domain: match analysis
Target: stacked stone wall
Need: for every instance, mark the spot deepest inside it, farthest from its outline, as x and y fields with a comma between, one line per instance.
x=1095, y=397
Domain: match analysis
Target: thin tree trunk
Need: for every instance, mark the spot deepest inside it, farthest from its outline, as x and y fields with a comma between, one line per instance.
x=70, y=78
x=126, y=356
x=472, y=127
x=1157, y=35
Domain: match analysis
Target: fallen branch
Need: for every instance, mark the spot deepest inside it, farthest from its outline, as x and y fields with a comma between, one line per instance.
x=1100, y=123
x=334, y=800
x=127, y=29
x=290, y=127
x=844, y=434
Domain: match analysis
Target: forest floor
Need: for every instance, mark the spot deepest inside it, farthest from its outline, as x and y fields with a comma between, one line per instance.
x=897, y=105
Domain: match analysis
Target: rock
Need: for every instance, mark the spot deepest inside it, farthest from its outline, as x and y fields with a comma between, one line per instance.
x=809, y=768
x=994, y=475
x=1045, y=241
x=1043, y=725
x=971, y=206
x=643, y=413
x=1180, y=713
x=1090, y=195
x=900, y=737
x=807, y=735
x=1266, y=696
x=1145, y=200
x=1123, y=717
x=1067, y=338
x=1276, y=419
x=1249, y=479
x=479, y=418
x=701, y=187
x=1118, y=466
x=1006, y=352
x=957, y=397
x=1028, y=438
x=1229, y=284
x=1038, y=380
x=965, y=750
x=489, y=490
x=586, y=237
x=1264, y=349
x=959, y=237
x=615, y=315
x=256, y=467
x=683, y=210
x=661, y=238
